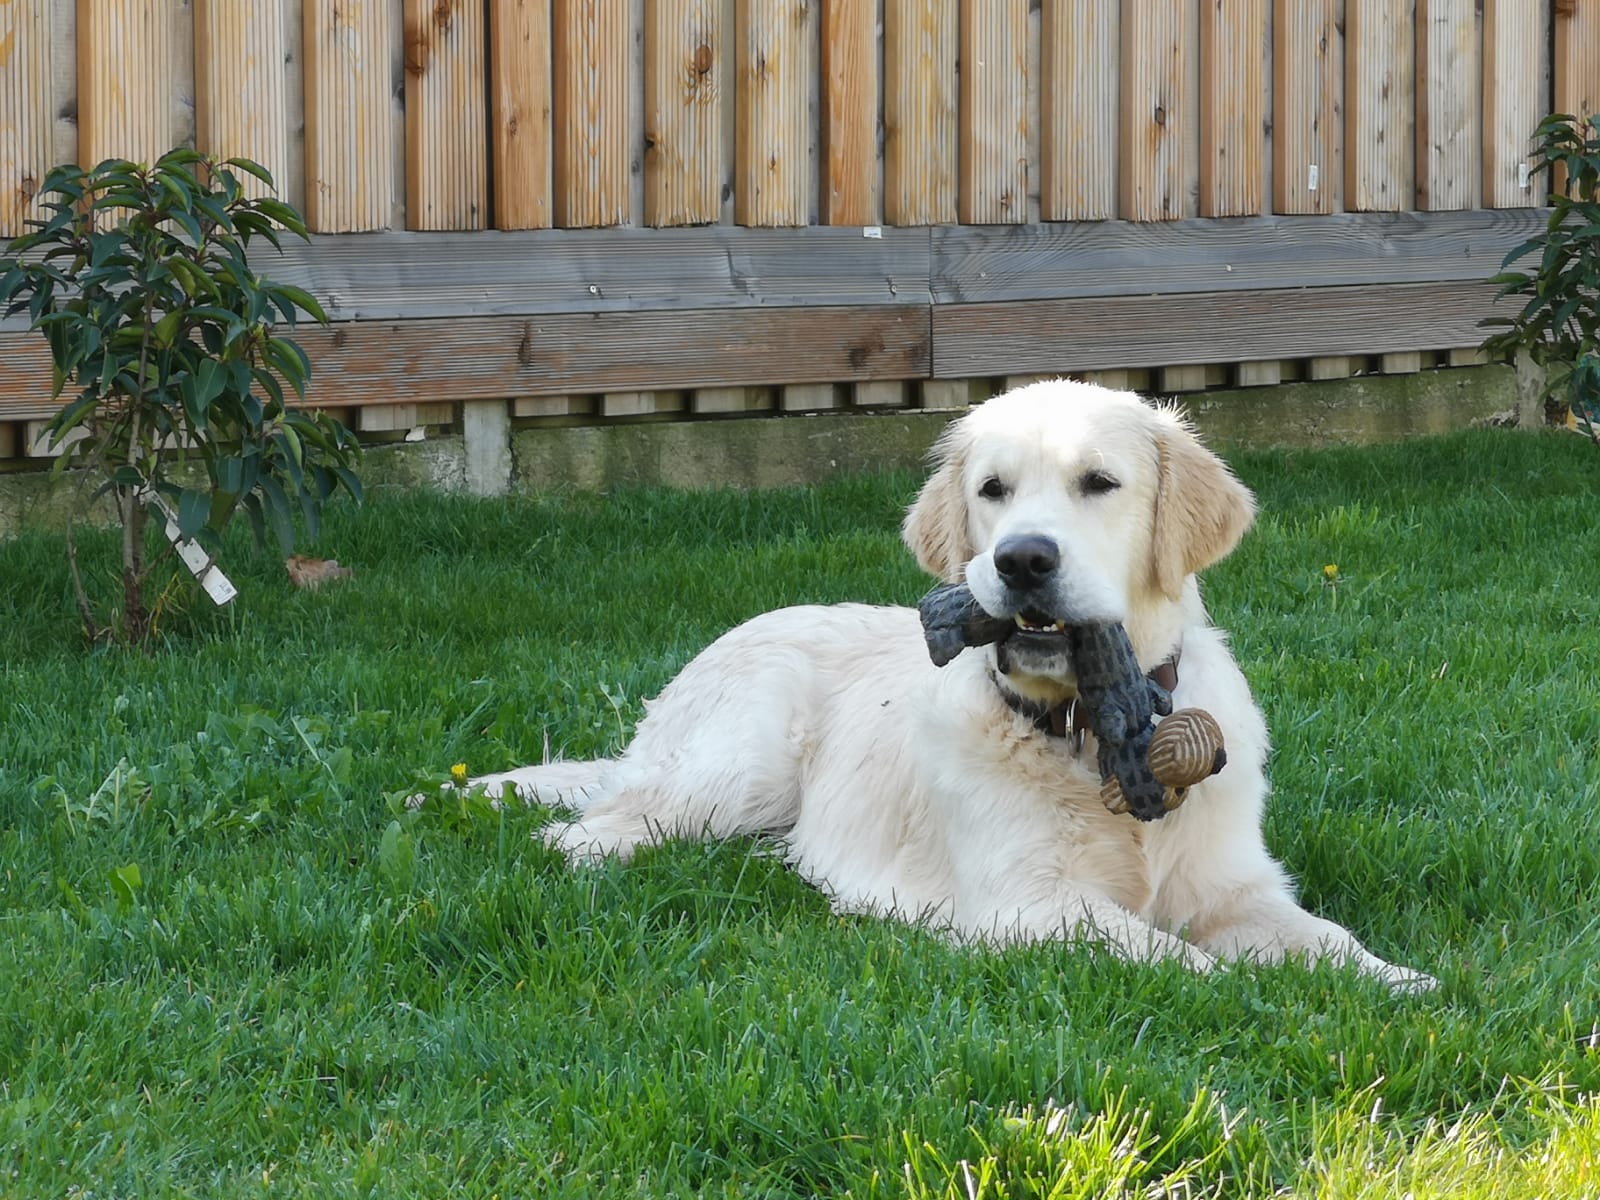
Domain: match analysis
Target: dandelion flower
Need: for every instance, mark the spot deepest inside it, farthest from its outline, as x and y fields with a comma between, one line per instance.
x=458, y=774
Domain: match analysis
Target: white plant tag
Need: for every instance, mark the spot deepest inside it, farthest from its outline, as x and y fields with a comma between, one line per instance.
x=217, y=585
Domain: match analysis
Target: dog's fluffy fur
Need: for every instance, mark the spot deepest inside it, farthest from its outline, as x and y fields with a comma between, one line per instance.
x=903, y=789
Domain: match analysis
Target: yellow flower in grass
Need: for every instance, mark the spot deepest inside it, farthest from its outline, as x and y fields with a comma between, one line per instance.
x=1330, y=572
x=458, y=774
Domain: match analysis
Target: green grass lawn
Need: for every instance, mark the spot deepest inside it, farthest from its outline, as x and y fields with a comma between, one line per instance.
x=231, y=964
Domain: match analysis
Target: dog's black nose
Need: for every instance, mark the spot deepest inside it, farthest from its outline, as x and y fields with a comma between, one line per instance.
x=1026, y=562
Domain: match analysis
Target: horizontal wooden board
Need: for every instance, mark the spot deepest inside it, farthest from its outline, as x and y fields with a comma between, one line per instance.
x=1042, y=336
x=409, y=276
x=402, y=276
x=378, y=362
x=1120, y=258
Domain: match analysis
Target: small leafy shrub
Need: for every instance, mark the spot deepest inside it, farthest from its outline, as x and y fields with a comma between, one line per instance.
x=1559, y=325
x=165, y=348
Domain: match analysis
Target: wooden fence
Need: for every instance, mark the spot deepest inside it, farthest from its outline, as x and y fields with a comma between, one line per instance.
x=613, y=208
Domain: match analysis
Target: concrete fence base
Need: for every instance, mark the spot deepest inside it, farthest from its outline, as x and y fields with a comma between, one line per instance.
x=489, y=454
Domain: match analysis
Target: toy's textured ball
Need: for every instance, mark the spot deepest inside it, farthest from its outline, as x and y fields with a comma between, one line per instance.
x=1186, y=748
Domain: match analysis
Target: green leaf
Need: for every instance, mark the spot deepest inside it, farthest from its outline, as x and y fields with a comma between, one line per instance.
x=275, y=506
x=194, y=512
x=352, y=483
x=303, y=300
x=230, y=474
x=166, y=329
x=397, y=856
x=253, y=168
x=251, y=503
x=74, y=902
x=125, y=884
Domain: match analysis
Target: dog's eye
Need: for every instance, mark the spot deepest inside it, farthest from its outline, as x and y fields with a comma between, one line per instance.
x=992, y=489
x=1098, y=483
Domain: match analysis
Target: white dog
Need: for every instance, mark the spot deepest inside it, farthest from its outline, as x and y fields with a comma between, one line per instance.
x=941, y=795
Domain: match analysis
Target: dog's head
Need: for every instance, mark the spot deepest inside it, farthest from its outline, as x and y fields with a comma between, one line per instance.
x=1065, y=503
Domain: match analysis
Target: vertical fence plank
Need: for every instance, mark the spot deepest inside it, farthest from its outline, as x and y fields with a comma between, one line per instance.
x=1380, y=105
x=772, y=159
x=1447, y=104
x=683, y=159
x=920, y=109
x=63, y=93
x=125, y=74
x=1078, y=109
x=519, y=112
x=1154, y=87
x=349, y=149
x=1577, y=57
x=1079, y=100
x=26, y=118
x=447, y=169
x=1233, y=100
x=591, y=112
x=241, y=85
x=1307, y=86
x=1513, y=43
x=852, y=177
x=993, y=156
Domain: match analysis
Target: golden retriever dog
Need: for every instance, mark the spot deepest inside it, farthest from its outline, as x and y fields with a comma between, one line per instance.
x=942, y=795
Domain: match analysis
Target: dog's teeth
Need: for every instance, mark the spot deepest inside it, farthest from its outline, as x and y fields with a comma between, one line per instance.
x=1046, y=627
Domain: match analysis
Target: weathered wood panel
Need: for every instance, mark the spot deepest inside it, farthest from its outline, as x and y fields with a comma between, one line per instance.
x=26, y=119
x=776, y=70
x=1155, y=91
x=972, y=265
x=993, y=154
x=373, y=363
x=683, y=149
x=1448, y=81
x=25, y=373
x=401, y=275
x=1514, y=45
x=1513, y=48
x=591, y=112
x=1233, y=103
x=485, y=358
x=519, y=112
x=1380, y=105
x=1308, y=50
x=1206, y=327
x=125, y=76
x=1079, y=109
x=241, y=87
x=349, y=149
x=447, y=168
x=1577, y=57
x=920, y=111
x=852, y=174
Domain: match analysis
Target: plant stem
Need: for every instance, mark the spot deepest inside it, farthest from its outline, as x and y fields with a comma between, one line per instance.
x=85, y=611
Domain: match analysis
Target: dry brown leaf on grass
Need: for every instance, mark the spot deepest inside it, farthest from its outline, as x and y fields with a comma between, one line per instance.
x=314, y=572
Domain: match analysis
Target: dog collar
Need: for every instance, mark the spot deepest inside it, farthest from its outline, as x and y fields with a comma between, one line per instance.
x=1069, y=718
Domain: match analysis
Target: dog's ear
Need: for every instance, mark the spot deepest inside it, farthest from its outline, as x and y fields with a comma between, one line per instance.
x=1201, y=509
x=935, y=528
